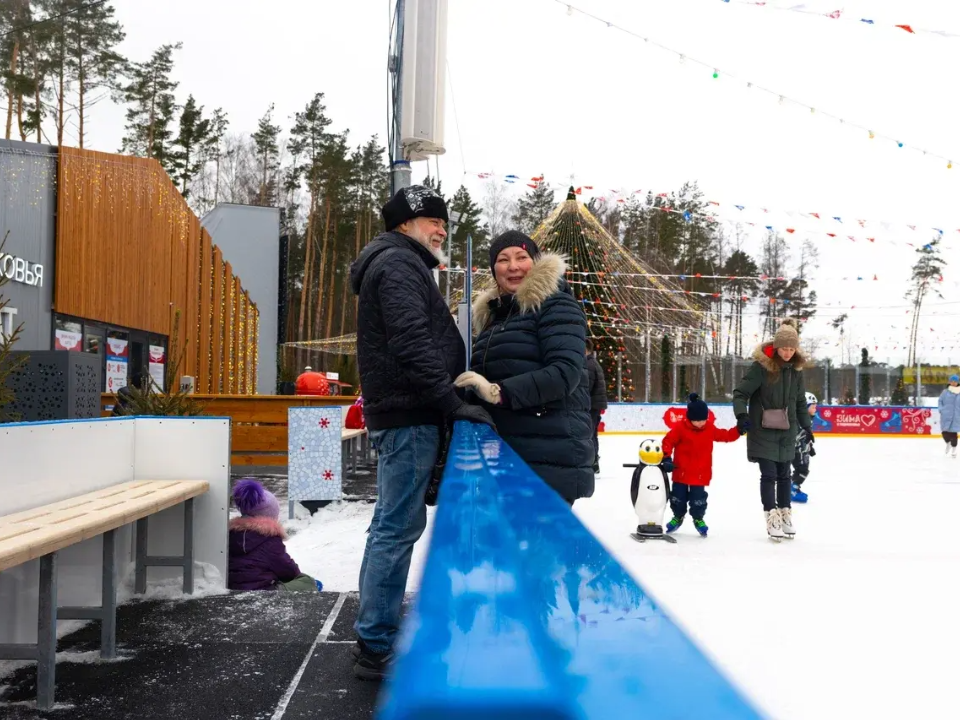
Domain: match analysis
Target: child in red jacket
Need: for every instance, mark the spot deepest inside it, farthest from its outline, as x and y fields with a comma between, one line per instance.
x=691, y=445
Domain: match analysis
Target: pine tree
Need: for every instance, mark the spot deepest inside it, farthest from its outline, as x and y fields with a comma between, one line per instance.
x=92, y=35
x=16, y=17
x=187, y=157
x=838, y=324
x=152, y=107
x=212, y=152
x=899, y=397
x=534, y=207
x=801, y=302
x=864, y=377
x=266, y=142
x=470, y=224
x=927, y=271
x=308, y=140
x=666, y=369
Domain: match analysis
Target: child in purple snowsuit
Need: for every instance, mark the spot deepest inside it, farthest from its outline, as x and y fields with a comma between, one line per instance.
x=258, y=556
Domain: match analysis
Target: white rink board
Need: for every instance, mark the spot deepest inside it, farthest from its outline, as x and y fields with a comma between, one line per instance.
x=46, y=462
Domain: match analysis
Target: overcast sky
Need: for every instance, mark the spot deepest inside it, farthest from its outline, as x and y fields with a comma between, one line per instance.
x=540, y=90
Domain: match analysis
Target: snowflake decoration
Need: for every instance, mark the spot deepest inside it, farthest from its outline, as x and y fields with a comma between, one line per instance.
x=325, y=423
x=328, y=475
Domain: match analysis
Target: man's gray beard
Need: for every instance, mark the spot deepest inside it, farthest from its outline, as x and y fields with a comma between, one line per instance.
x=436, y=252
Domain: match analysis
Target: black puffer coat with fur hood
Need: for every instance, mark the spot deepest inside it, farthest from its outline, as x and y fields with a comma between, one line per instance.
x=532, y=344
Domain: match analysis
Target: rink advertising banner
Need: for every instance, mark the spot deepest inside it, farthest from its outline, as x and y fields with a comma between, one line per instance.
x=830, y=420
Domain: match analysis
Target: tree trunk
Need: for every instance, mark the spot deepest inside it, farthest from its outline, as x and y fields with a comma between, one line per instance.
x=307, y=262
x=323, y=261
x=36, y=92
x=23, y=133
x=81, y=77
x=216, y=180
x=332, y=289
x=13, y=71
x=61, y=120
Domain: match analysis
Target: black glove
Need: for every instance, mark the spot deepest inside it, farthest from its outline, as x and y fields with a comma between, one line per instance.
x=743, y=424
x=667, y=465
x=474, y=414
x=810, y=436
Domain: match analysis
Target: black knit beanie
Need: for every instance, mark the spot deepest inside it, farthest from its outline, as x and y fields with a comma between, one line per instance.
x=696, y=409
x=413, y=202
x=512, y=238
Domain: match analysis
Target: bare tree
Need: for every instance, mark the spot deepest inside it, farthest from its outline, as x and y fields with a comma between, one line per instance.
x=498, y=207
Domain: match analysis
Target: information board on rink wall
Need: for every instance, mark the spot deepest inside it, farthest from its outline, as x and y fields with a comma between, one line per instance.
x=930, y=374
x=834, y=419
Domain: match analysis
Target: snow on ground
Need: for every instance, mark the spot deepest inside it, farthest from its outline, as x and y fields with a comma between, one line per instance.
x=855, y=618
x=329, y=546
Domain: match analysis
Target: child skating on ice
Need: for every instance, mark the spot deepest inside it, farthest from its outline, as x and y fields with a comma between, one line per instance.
x=804, y=451
x=690, y=445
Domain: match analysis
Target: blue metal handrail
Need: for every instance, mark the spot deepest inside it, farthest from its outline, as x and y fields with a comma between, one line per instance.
x=523, y=614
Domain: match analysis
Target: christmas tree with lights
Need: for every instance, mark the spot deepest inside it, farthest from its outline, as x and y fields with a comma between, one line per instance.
x=624, y=299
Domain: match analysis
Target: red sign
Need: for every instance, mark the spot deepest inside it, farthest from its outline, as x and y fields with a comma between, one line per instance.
x=856, y=420
x=674, y=416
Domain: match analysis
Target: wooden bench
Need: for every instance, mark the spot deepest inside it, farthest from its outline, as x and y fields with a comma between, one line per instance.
x=42, y=531
x=354, y=440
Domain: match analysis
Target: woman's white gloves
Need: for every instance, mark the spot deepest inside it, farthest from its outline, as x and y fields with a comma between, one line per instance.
x=483, y=387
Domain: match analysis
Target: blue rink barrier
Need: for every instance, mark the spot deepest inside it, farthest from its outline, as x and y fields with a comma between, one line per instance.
x=523, y=615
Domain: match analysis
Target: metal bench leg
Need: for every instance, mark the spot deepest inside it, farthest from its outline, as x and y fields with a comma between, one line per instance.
x=140, y=584
x=188, y=547
x=47, y=633
x=108, y=600
x=353, y=453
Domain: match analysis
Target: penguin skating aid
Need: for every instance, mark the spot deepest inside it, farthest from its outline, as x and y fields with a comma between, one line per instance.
x=650, y=493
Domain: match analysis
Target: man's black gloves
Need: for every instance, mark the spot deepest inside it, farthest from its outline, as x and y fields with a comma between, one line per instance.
x=474, y=414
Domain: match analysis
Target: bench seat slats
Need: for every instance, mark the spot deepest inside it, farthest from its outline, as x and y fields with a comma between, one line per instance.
x=351, y=434
x=37, y=532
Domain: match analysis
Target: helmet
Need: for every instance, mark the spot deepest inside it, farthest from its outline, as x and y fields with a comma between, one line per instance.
x=811, y=399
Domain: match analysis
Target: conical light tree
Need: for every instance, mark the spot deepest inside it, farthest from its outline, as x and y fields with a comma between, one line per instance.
x=623, y=298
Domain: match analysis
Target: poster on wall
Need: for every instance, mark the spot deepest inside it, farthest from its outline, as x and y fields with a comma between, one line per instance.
x=158, y=360
x=67, y=340
x=314, y=453
x=118, y=355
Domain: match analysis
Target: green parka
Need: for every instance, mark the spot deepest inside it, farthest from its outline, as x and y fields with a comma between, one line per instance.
x=771, y=384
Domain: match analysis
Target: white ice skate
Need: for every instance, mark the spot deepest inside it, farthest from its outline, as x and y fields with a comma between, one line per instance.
x=946, y=448
x=774, y=528
x=786, y=523
x=953, y=453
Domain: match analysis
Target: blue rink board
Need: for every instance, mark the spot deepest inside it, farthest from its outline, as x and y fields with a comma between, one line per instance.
x=522, y=613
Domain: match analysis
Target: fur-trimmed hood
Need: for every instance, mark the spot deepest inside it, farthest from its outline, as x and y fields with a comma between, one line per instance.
x=765, y=355
x=268, y=527
x=544, y=279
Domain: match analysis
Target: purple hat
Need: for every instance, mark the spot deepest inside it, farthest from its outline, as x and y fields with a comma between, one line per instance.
x=254, y=500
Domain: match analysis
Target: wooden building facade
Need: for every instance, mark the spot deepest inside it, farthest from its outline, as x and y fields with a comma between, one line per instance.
x=131, y=262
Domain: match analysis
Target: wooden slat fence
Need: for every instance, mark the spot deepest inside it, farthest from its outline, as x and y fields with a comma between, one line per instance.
x=131, y=253
x=258, y=422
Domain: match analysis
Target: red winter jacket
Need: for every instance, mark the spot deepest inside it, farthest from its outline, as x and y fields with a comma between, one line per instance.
x=692, y=450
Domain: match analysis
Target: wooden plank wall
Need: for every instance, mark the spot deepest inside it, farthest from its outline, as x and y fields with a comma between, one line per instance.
x=130, y=252
x=258, y=423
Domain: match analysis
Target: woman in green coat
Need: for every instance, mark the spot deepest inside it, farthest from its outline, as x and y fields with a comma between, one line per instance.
x=771, y=407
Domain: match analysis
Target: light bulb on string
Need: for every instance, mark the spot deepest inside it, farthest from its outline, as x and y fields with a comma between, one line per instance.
x=871, y=134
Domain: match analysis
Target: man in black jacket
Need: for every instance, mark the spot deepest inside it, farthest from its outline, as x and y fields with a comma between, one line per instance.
x=598, y=399
x=409, y=352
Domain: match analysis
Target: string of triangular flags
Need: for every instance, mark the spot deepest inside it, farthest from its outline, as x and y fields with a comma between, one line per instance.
x=858, y=224
x=783, y=99
x=893, y=342
x=843, y=15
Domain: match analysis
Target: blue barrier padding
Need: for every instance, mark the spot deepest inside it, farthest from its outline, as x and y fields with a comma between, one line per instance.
x=523, y=614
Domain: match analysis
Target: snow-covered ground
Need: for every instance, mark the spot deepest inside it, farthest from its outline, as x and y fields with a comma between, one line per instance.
x=855, y=618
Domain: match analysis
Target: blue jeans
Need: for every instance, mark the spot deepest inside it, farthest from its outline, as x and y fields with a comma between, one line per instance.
x=406, y=458
x=696, y=495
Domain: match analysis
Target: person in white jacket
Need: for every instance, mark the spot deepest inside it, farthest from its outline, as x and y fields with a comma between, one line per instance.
x=950, y=415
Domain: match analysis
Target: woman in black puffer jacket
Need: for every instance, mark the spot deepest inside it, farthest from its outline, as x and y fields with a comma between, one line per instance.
x=528, y=364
